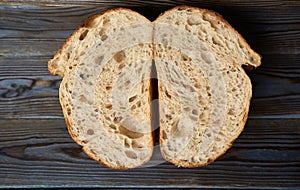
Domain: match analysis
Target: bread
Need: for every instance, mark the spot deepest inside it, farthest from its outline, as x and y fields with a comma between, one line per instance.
x=106, y=92
x=204, y=93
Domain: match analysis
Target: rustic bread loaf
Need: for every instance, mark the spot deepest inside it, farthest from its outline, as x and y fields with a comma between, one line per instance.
x=105, y=93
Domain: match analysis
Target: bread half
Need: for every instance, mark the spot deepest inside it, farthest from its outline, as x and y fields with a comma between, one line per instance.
x=104, y=94
x=204, y=93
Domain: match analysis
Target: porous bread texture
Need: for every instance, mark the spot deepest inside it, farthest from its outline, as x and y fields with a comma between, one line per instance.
x=104, y=93
x=203, y=90
x=204, y=93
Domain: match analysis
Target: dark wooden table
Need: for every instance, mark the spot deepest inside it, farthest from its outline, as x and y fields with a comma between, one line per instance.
x=37, y=151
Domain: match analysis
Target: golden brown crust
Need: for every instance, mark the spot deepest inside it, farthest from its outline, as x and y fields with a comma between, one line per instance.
x=92, y=156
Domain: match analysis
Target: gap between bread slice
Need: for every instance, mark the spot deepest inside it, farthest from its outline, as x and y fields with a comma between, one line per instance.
x=203, y=91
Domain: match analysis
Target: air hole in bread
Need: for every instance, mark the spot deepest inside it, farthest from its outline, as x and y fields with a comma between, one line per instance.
x=202, y=116
x=131, y=154
x=90, y=132
x=108, y=106
x=193, y=117
x=108, y=87
x=105, y=20
x=126, y=143
x=168, y=116
x=131, y=99
x=120, y=56
x=197, y=85
x=138, y=104
x=195, y=112
x=184, y=57
x=135, y=144
x=69, y=111
x=127, y=83
x=102, y=32
x=121, y=66
x=216, y=41
x=167, y=94
x=115, y=120
x=164, y=135
x=82, y=76
x=174, y=126
x=68, y=55
x=130, y=134
x=107, y=118
x=83, y=35
x=104, y=37
x=187, y=109
x=231, y=112
x=133, y=107
x=82, y=98
x=187, y=28
x=112, y=127
x=222, y=134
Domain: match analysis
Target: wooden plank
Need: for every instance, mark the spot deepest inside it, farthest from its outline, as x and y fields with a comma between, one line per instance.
x=25, y=67
x=33, y=93
x=35, y=153
x=251, y=3
x=269, y=29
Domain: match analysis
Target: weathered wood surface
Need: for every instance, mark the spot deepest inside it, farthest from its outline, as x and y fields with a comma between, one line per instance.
x=42, y=153
x=36, y=150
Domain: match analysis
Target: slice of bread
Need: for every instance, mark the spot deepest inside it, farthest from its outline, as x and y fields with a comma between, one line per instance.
x=204, y=93
x=105, y=93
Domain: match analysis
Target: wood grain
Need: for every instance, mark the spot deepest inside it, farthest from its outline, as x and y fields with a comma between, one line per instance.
x=157, y=3
x=274, y=29
x=40, y=152
x=37, y=151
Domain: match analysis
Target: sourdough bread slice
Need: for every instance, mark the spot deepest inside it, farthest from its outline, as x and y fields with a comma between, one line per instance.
x=204, y=93
x=104, y=94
